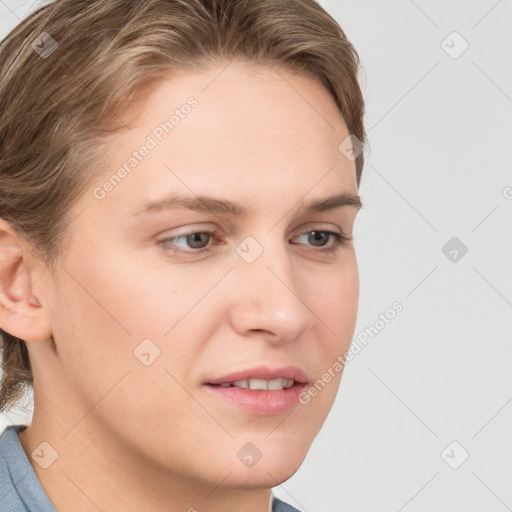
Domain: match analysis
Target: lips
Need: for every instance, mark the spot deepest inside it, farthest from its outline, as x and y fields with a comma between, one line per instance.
x=262, y=373
x=260, y=390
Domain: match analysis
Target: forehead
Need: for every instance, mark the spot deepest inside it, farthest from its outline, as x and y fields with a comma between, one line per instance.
x=252, y=130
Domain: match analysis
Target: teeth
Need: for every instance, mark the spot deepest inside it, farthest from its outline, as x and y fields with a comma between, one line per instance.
x=258, y=384
x=270, y=385
x=241, y=384
x=275, y=384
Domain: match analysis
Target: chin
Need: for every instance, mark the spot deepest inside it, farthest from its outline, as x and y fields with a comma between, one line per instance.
x=264, y=474
x=272, y=464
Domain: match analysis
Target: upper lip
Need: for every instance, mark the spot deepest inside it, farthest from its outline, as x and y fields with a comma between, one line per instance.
x=264, y=373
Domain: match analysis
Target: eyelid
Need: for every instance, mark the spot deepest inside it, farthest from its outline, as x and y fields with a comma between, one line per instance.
x=340, y=240
x=215, y=231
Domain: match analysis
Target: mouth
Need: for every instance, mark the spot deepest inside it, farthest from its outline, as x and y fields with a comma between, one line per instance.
x=261, y=384
x=261, y=390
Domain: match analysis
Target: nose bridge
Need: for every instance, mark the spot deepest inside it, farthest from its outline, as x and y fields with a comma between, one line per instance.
x=268, y=295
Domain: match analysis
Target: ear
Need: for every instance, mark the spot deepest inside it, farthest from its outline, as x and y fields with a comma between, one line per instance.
x=22, y=313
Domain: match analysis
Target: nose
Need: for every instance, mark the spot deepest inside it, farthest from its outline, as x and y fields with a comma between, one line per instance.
x=269, y=299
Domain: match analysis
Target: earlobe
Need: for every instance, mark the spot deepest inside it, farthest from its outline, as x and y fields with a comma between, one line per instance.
x=21, y=313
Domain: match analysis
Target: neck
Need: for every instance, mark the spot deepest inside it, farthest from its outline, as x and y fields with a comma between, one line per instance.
x=91, y=471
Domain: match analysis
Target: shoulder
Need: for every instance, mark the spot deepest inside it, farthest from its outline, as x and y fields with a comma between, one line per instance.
x=20, y=489
x=281, y=506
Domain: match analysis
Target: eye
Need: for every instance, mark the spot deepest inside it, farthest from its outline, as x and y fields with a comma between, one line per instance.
x=320, y=238
x=198, y=241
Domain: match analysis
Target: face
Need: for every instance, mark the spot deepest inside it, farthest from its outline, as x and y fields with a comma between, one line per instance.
x=157, y=310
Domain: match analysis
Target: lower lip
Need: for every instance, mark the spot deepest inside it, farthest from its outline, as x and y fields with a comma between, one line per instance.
x=260, y=401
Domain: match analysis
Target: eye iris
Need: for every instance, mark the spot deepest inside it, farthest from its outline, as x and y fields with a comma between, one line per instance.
x=316, y=236
x=195, y=238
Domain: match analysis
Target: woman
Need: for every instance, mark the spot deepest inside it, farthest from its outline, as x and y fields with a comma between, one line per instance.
x=178, y=190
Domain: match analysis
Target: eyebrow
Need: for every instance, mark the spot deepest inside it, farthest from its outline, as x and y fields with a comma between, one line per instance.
x=205, y=203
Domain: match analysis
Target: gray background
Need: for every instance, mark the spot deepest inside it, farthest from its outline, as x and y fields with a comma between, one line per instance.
x=433, y=386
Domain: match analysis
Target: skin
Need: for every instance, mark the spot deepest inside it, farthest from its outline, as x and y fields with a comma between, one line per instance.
x=132, y=437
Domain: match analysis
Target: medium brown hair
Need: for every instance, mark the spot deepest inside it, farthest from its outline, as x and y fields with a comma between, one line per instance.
x=58, y=110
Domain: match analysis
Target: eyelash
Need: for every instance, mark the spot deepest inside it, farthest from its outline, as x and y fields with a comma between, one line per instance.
x=340, y=240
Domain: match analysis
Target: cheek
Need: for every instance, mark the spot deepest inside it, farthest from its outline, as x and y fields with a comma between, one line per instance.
x=336, y=303
x=99, y=332
x=107, y=310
